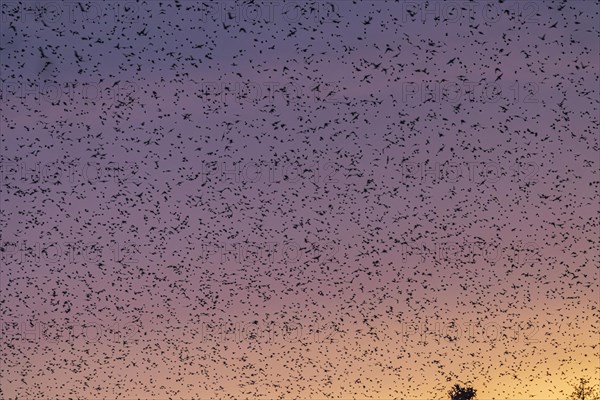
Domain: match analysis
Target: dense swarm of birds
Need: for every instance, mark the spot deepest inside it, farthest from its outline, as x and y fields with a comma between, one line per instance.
x=367, y=199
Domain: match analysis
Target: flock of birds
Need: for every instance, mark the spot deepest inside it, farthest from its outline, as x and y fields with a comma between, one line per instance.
x=240, y=199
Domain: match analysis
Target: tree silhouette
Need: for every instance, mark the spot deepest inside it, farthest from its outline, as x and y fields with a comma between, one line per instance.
x=459, y=392
x=584, y=391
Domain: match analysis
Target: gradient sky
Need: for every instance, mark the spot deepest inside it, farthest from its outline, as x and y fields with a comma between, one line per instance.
x=276, y=200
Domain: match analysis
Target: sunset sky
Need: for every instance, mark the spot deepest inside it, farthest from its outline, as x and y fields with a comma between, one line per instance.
x=307, y=199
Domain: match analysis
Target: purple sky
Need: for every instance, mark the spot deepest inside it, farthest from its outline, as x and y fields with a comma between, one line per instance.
x=313, y=200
